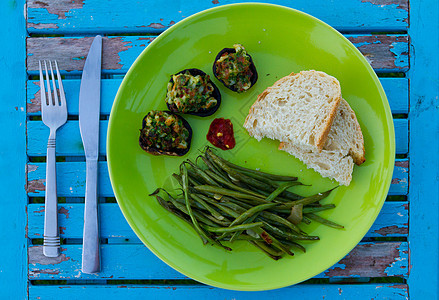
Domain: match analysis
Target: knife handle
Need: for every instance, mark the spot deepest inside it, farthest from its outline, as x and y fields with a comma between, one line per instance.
x=90, y=247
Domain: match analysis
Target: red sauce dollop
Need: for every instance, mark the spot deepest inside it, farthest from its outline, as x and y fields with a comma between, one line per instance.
x=221, y=134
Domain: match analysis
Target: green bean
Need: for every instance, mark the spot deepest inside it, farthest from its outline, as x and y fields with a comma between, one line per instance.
x=323, y=221
x=192, y=181
x=228, y=210
x=178, y=178
x=202, y=174
x=227, y=192
x=250, y=212
x=318, y=208
x=287, y=235
x=184, y=178
x=240, y=210
x=294, y=244
x=233, y=202
x=226, y=222
x=231, y=185
x=265, y=247
x=238, y=233
x=236, y=207
x=233, y=228
x=163, y=203
x=221, y=200
x=245, y=237
x=206, y=198
x=218, y=205
x=312, y=199
x=280, y=189
x=266, y=185
x=184, y=210
x=195, y=177
x=232, y=211
x=306, y=220
x=213, y=168
x=194, y=204
x=266, y=190
x=213, y=212
x=269, y=239
x=255, y=172
x=235, y=175
x=283, y=209
x=281, y=220
x=275, y=257
x=198, y=215
x=266, y=194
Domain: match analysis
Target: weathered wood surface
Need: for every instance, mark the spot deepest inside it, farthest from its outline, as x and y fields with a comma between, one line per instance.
x=61, y=16
x=183, y=292
x=73, y=183
x=13, y=253
x=391, y=222
x=135, y=261
x=386, y=53
x=396, y=91
x=424, y=148
x=124, y=257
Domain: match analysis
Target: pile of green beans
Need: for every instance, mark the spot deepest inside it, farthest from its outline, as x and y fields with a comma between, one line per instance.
x=224, y=202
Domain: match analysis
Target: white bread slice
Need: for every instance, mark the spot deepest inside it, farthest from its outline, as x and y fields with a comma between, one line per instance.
x=332, y=164
x=298, y=108
x=345, y=134
x=344, y=146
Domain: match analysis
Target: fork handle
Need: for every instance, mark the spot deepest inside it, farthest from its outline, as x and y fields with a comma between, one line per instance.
x=51, y=243
x=90, y=247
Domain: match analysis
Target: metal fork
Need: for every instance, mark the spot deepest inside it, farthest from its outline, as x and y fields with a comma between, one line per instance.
x=54, y=114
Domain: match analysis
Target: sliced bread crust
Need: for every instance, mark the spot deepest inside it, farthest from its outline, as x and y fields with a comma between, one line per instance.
x=298, y=108
x=332, y=164
x=343, y=147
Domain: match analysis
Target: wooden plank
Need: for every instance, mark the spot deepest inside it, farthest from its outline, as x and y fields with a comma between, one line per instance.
x=70, y=17
x=383, y=52
x=13, y=255
x=386, y=53
x=69, y=143
x=73, y=183
x=135, y=261
x=424, y=148
x=396, y=90
x=391, y=222
x=300, y=291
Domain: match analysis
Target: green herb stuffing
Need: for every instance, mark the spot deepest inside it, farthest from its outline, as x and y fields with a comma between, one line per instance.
x=190, y=93
x=234, y=69
x=164, y=131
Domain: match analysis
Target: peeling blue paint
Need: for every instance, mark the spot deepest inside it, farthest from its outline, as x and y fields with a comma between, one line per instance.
x=401, y=262
x=349, y=15
x=136, y=46
x=398, y=48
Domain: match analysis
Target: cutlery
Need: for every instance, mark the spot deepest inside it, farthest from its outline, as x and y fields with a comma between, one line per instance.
x=54, y=115
x=89, y=107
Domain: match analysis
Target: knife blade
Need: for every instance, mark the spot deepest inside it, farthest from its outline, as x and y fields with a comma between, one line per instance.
x=89, y=111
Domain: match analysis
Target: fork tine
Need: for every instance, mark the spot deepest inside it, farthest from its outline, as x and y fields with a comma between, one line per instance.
x=43, y=90
x=49, y=92
x=55, y=93
x=62, y=95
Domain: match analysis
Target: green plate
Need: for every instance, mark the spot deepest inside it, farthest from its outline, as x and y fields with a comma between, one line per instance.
x=281, y=41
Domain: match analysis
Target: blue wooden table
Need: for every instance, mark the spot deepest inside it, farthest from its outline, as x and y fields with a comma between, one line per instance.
x=397, y=259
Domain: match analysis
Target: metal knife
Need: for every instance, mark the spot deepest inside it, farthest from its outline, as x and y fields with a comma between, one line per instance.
x=89, y=108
